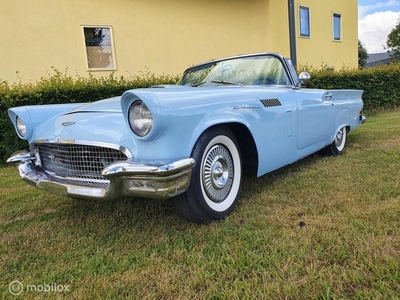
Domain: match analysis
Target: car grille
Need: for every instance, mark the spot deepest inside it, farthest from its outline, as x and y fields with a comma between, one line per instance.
x=74, y=162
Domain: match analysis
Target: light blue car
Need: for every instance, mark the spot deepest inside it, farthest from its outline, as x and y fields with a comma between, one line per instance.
x=190, y=141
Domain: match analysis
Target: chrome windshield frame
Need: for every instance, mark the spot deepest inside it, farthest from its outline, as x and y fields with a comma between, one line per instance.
x=287, y=65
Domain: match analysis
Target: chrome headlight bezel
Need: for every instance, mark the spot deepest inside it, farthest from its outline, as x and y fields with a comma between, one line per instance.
x=21, y=127
x=140, y=118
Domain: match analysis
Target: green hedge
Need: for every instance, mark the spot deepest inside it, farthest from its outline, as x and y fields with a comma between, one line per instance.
x=381, y=87
x=381, y=84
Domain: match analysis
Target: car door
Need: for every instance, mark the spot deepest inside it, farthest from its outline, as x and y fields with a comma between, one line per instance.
x=273, y=128
x=315, y=116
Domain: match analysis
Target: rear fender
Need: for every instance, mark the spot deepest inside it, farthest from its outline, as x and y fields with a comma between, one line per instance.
x=342, y=120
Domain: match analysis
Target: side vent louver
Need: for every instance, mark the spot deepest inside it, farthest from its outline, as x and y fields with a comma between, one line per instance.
x=271, y=102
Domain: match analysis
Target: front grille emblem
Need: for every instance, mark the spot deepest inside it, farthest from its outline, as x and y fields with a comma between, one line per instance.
x=52, y=157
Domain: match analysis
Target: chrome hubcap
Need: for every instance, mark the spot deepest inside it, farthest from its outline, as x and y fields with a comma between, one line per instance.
x=217, y=173
x=339, y=138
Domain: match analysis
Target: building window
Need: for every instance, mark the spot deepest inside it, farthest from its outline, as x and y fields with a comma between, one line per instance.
x=304, y=16
x=99, y=48
x=337, y=27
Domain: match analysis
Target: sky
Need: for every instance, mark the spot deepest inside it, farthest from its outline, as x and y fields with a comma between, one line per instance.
x=376, y=19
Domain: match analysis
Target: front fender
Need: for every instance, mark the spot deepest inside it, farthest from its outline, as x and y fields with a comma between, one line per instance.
x=221, y=120
x=179, y=120
x=35, y=115
x=152, y=103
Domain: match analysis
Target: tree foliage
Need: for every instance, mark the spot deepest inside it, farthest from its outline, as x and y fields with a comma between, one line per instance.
x=362, y=55
x=393, y=42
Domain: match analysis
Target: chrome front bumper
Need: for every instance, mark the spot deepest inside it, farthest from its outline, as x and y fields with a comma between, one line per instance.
x=125, y=179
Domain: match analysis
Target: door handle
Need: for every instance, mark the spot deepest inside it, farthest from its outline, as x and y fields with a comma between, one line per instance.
x=328, y=96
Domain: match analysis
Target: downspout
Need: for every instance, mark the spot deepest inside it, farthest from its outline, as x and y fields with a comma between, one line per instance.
x=292, y=32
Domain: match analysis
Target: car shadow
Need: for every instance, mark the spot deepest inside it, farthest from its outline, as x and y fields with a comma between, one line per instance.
x=140, y=212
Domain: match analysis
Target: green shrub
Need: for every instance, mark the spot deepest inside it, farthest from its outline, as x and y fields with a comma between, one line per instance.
x=381, y=84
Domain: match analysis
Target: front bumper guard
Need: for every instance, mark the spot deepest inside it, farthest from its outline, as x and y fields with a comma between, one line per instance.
x=126, y=178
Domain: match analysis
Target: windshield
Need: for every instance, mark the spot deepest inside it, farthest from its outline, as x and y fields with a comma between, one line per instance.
x=254, y=70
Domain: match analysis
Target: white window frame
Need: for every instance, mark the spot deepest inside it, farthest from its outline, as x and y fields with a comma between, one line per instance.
x=108, y=49
x=336, y=16
x=308, y=24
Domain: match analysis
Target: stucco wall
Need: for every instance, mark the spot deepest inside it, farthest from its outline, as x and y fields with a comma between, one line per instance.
x=158, y=35
x=320, y=50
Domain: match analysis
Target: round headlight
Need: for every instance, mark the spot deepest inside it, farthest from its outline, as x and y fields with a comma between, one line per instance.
x=21, y=127
x=140, y=118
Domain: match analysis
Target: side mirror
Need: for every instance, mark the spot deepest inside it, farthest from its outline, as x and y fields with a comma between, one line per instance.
x=304, y=77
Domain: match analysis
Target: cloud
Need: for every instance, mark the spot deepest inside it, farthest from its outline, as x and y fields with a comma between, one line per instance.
x=373, y=29
x=379, y=6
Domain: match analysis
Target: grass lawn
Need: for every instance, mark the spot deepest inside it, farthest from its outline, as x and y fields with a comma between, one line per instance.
x=322, y=228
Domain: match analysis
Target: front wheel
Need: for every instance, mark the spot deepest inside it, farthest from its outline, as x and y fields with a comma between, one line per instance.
x=337, y=146
x=216, y=178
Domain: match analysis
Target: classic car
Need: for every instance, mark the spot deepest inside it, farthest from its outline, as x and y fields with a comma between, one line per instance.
x=190, y=141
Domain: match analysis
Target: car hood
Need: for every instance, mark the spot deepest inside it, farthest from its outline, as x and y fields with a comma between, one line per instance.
x=111, y=105
x=100, y=121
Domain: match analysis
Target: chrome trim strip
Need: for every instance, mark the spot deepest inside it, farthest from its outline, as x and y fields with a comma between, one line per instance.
x=77, y=179
x=87, y=143
x=20, y=156
x=288, y=68
x=134, y=169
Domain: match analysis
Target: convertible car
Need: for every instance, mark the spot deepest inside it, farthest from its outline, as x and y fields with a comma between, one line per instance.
x=190, y=141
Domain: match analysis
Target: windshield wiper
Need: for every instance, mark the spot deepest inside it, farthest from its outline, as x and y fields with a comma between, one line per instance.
x=216, y=81
x=198, y=83
x=226, y=82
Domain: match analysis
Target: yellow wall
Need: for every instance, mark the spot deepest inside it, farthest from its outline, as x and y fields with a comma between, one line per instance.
x=320, y=50
x=160, y=36
x=278, y=25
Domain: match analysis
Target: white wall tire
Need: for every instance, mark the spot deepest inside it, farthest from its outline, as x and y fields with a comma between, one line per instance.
x=338, y=144
x=216, y=178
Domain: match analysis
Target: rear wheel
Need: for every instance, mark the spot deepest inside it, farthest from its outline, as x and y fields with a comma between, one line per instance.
x=338, y=144
x=216, y=178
